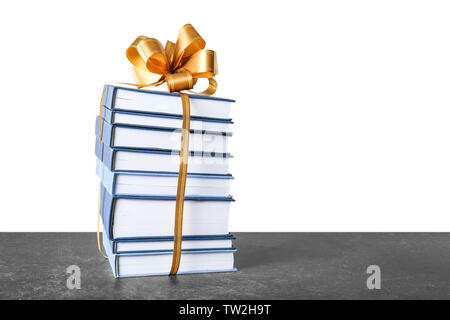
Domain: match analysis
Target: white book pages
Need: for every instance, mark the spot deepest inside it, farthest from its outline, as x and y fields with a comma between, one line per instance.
x=123, y=118
x=138, y=264
x=142, y=101
x=127, y=184
x=160, y=264
x=142, y=161
x=161, y=139
x=133, y=246
x=153, y=218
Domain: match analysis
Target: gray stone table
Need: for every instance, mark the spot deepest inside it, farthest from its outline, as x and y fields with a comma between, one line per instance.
x=270, y=266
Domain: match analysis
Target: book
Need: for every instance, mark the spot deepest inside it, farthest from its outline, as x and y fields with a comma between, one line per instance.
x=132, y=99
x=138, y=160
x=119, y=116
x=165, y=244
x=132, y=216
x=162, y=183
x=159, y=263
x=132, y=159
x=147, y=137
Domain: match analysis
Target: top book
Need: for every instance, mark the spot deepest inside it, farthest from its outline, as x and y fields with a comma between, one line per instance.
x=123, y=98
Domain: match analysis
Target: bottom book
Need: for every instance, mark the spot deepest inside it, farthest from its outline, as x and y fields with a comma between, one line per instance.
x=159, y=262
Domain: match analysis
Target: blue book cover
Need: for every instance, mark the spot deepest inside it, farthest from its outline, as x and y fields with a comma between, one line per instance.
x=115, y=243
x=109, y=177
x=110, y=92
x=114, y=260
x=156, y=137
x=157, y=102
x=108, y=204
x=110, y=115
x=107, y=154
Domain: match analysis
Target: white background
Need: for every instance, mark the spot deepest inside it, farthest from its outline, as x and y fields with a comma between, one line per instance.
x=342, y=121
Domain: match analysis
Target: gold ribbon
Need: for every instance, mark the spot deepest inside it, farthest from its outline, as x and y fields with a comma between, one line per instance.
x=99, y=245
x=178, y=64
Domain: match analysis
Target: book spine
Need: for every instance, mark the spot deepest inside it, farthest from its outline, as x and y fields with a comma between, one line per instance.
x=116, y=266
x=106, y=206
x=97, y=127
x=98, y=149
x=108, y=178
x=108, y=157
x=108, y=97
x=107, y=129
x=107, y=115
x=104, y=154
x=106, y=134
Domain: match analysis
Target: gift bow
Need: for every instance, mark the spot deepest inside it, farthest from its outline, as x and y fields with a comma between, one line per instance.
x=178, y=64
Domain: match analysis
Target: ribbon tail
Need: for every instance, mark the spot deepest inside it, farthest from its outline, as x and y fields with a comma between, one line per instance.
x=99, y=242
x=99, y=245
x=181, y=187
x=212, y=88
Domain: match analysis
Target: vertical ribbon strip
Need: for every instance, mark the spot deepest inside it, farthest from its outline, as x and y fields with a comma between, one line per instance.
x=178, y=64
x=99, y=245
x=181, y=187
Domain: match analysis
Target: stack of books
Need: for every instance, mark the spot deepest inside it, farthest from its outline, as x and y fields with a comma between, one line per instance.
x=138, y=138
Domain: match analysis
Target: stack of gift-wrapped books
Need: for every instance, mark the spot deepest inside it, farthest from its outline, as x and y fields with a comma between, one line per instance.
x=138, y=138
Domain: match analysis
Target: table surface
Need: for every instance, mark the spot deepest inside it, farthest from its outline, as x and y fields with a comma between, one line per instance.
x=270, y=266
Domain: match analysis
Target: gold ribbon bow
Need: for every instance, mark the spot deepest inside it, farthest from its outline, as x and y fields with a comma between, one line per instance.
x=178, y=64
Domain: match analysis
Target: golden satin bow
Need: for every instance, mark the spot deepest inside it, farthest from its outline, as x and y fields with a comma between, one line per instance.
x=179, y=64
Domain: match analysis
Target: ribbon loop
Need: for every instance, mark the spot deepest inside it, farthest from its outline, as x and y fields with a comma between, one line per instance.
x=212, y=87
x=189, y=42
x=170, y=51
x=133, y=54
x=202, y=64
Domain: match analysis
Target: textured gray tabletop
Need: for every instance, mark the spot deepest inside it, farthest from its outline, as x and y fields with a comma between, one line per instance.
x=270, y=266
